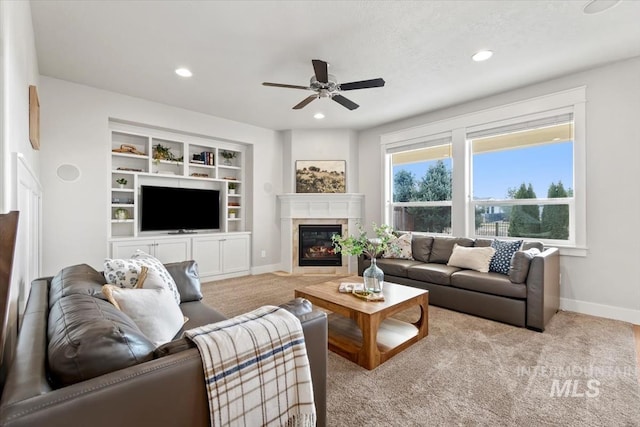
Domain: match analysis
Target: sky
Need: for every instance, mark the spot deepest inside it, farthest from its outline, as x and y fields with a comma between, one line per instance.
x=495, y=172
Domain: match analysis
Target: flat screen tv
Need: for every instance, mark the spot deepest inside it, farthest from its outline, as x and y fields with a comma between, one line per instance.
x=178, y=209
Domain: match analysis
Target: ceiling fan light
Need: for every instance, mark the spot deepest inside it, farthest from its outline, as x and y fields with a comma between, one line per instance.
x=184, y=72
x=318, y=116
x=482, y=55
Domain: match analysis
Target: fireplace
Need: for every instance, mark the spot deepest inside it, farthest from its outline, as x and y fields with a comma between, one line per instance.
x=315, y=247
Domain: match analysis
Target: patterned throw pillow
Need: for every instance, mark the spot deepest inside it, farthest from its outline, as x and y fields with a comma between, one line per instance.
x=402, y=247
x=125, y=272
x=502, y=258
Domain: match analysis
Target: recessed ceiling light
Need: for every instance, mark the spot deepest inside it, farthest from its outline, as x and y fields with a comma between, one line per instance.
x=482, y=55
x=318, y=116
x=597, y=6
x=183, y=72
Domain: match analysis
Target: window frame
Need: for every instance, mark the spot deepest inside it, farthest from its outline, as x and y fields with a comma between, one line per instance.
x=463, y=207
x=424, y=142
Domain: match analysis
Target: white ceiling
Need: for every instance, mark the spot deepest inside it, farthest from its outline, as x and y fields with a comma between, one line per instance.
x=422, y=49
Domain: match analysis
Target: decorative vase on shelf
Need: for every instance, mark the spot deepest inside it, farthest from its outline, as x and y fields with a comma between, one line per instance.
x=373, y=277
x=121, y=214
x=226, y=162
x=121, y=185
x=232, y=191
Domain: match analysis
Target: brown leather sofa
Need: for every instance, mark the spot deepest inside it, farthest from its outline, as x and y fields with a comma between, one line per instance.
x=529, y=301
x=113, y=378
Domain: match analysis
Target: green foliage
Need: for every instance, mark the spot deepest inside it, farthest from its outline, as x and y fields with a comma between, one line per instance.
x=358, y=243
x=524, y=220
x=404, y=186
x=121, y=181
x=434, y=186
x=555, y=218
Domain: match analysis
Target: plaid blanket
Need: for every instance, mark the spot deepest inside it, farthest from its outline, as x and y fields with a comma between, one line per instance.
x=256, y=370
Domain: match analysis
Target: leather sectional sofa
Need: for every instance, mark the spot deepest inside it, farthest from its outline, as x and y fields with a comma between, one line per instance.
x=117, y=379
x=529, y=302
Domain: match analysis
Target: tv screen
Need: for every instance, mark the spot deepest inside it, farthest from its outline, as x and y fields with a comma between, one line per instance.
x=178, y=209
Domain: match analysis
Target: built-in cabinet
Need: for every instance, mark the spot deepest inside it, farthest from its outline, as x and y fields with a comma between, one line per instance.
x=222, y=255
x=219, y=255
x=144, y=156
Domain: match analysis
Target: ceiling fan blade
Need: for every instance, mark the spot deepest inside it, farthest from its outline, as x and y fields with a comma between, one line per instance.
x=345, y=102
x=287, y=86
x=321, y=70
x=364, y=84
x=304, y=102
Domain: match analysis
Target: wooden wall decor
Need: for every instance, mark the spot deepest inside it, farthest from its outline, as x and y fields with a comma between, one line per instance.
x=34, y=118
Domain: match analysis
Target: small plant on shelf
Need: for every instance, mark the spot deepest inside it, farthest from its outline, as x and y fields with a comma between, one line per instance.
x=160, y=152
x=232, y=213
x=227, y=156
x=122, y=182
x=233, y=186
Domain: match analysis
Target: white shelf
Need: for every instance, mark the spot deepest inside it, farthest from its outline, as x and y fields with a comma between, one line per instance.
x=143, y=170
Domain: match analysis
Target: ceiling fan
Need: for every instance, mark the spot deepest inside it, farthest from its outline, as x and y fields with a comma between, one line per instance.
x=326, y=85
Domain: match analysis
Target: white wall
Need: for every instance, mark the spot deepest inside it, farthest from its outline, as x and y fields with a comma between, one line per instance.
x=74, y=121
x=606, y=282
x=19, y=69
x=325, y=144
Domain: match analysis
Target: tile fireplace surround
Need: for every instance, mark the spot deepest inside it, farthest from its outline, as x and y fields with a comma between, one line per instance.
x=296, y=209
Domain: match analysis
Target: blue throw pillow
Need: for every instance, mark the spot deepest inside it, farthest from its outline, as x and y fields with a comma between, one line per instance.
x=502, y=258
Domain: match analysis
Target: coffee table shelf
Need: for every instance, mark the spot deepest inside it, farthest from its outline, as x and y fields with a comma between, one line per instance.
x=363, y=331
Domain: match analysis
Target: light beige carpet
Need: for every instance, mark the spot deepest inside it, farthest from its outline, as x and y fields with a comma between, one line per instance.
x=470, y=371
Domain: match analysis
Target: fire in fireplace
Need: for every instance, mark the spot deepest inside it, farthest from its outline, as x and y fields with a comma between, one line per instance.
x=315, y=247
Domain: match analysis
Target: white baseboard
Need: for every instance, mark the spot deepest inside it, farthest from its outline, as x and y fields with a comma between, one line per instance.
x=266, y=268
x=601, y=310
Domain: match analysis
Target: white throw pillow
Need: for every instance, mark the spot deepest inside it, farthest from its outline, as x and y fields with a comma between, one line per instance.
x=125, y=272
x=472, y=258
x=121, y=272
x=402, y=245
x=154, y=311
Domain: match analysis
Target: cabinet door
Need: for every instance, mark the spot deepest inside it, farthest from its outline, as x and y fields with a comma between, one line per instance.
x=235, y=254
x=174, y=250
x=124, y=249
x=206, y=252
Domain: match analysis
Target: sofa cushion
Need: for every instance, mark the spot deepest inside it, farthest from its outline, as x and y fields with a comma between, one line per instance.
x=443, y=247
x=421, y=247
x=399, y=247
x=199, y=314
x=502, y=258
x=154, y=311
x=80, y=279
x=433, y=273
x=488, y=283
x=88, y=337
x=520, y=262
x=396, y=267
x=187, y=279
x=482, y=243
x=472, y=258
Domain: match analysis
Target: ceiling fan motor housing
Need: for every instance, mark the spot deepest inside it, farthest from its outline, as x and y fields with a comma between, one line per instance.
x=331, y=86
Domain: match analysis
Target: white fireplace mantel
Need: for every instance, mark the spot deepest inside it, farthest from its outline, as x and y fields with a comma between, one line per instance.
x=334, y=205
x=343, y=207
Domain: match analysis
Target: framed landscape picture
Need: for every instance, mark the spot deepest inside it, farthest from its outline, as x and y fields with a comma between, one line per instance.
x=321, y=176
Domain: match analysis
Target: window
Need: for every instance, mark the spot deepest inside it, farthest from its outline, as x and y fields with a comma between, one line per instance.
x=513, y=171
x=522, y=180
x=422, y=186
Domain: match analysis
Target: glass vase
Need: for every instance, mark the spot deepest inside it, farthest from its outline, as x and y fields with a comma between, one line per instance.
x=373, y=277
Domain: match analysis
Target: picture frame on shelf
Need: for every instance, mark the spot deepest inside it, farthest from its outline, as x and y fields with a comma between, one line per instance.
x=321, y=176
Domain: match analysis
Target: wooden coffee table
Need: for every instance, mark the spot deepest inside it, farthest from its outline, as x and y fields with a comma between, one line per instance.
x=362, y=331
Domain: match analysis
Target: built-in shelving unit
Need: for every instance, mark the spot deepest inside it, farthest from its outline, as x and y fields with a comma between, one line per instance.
x=147, y=156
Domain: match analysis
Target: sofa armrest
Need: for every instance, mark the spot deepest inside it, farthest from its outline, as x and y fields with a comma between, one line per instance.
x=543, y=288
